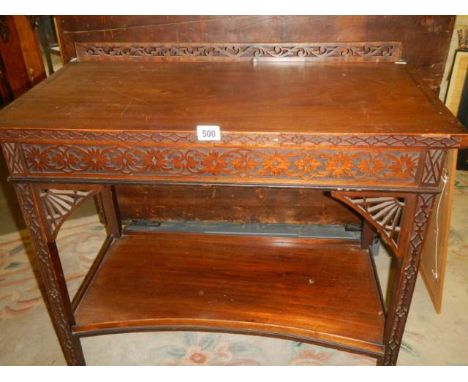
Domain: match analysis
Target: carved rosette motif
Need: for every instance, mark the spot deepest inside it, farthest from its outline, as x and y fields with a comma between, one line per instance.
x=221, y=162
x=57, y=305
x=383, y=212
x=359, y=51
x=59, y=203
x=408, y=277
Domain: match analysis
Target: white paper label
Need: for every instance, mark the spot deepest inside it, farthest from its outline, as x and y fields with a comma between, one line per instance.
x=208, y=133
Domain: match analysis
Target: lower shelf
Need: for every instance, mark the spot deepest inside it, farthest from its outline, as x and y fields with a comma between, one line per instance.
x=316, y=290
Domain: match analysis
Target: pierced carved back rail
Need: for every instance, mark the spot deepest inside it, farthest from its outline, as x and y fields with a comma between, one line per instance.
x=332, y=51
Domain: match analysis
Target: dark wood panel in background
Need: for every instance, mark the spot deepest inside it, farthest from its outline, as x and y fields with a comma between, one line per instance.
x=15, y=72
x=20, y=56
x=236, y=204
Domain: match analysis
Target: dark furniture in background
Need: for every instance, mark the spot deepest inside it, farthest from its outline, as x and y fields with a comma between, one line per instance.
x=47, y=37
x=463, y=111
x=462, y=160
x=20, y=57
x=456, y=97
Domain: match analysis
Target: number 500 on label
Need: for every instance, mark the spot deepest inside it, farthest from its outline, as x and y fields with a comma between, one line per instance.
x=208, y=133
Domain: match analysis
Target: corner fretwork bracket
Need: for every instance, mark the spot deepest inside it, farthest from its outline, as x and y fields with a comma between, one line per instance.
x=59, y=203
x=383, y=212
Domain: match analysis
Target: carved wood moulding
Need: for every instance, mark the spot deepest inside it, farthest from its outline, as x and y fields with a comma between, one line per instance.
x=229, y=138
x=433, y=166
x=262, y=163
x=333, y=51
x=13, y=156
x=424, y=205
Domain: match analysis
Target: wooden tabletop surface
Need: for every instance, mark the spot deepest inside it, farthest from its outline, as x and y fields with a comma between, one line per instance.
x=315, y=98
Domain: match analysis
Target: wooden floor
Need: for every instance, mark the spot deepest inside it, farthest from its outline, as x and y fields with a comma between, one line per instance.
x=323, y=290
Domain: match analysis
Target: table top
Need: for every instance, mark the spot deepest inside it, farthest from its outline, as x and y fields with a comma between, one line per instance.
x=304, y=98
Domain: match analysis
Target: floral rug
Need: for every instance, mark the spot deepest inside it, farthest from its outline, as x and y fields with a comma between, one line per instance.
x=27, y=337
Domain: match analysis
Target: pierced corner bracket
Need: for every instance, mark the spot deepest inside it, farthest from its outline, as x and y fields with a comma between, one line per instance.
x=59, y=203
x=384, y=213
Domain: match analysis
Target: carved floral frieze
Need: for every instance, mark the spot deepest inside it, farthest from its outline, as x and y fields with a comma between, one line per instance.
x=205, y=162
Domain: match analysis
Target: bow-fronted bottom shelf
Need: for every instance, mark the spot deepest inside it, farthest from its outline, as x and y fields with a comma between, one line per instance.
x=317, y=290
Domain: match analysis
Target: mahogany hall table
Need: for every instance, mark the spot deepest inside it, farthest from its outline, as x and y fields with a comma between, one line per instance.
x=342, y=118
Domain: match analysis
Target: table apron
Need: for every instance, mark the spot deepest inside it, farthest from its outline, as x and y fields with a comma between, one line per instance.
x=334, y=168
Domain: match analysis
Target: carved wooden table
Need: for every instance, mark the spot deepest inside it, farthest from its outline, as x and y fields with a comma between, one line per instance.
x=344, y=119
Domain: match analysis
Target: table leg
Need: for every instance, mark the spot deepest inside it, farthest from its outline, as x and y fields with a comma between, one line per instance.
x=55, y=288
x=110, y=213
x=401, y=220
x=415, y=224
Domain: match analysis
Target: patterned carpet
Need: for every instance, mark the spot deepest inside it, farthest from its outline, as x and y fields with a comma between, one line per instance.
x=27, y=338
